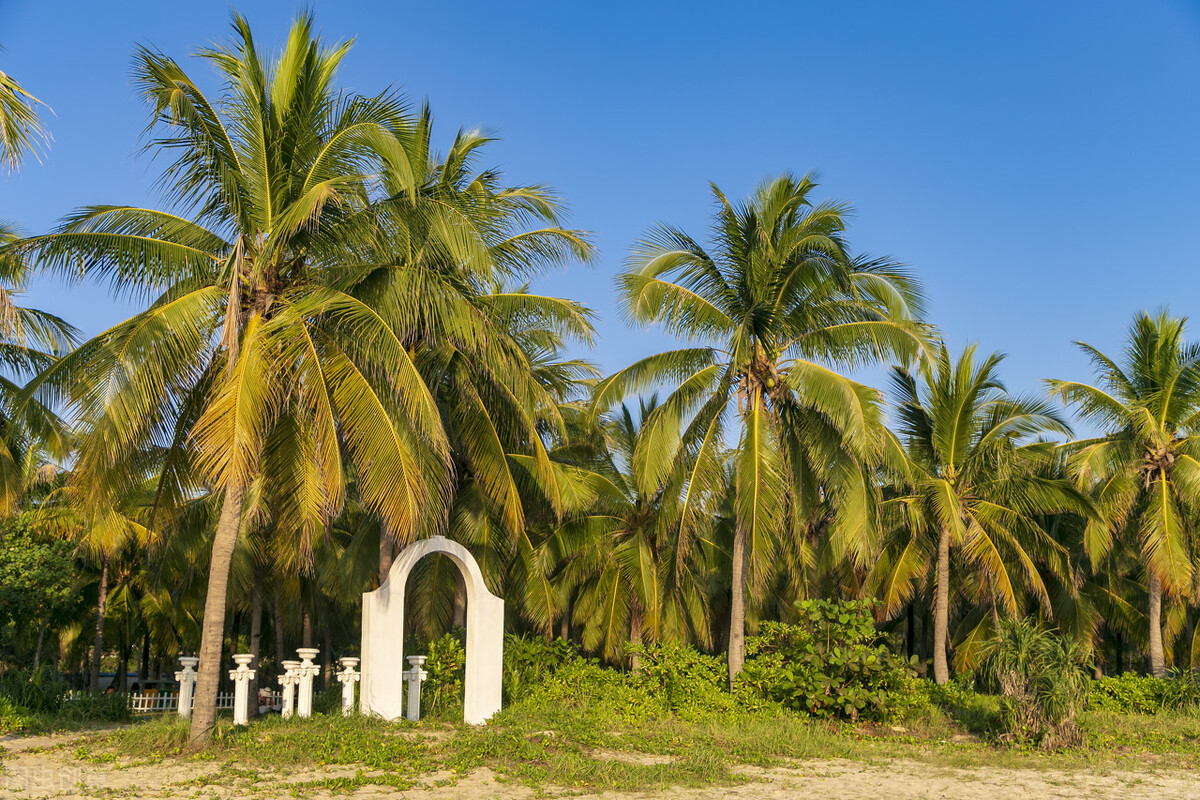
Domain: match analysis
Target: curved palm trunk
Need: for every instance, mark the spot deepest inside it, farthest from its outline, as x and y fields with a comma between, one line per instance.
x=101, y=607
x=204, y=710
x=941, y=610
x=1158, y=665
x=737, y=608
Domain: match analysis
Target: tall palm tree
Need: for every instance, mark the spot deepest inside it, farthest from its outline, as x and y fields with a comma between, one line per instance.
x=1145, y=470
x=772, y=309
x=293, y=291
x=973, y=484
x=254, y=356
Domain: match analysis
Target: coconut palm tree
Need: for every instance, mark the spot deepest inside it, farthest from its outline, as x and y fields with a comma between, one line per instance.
x=973, y=484
x=253, y=357
x=293, y=286
x=773, y=309
x=1145, y=470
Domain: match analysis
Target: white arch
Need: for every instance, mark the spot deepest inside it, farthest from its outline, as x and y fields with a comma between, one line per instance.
x=382, y=690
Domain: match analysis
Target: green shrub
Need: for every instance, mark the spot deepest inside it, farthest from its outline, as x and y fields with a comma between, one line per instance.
x=530, y=660
x=1130, y=693
x=14, y=718
x=831, y=663
x=1043, y=683
x=446, y=663
x=683, y=681
x=582, y=687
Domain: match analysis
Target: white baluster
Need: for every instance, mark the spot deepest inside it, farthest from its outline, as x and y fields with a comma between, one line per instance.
x=241, y=678
x=187, y=684
x=415, y=677
x=348, y=677
x=306, y=672
x=288, y=681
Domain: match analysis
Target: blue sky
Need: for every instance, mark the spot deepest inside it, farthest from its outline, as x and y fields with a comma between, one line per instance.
x=1036, y=164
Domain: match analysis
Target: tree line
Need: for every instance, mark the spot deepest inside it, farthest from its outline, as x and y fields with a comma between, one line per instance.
x=338, y=351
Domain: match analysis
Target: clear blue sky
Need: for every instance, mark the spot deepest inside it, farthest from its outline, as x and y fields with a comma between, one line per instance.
x=1037, y=164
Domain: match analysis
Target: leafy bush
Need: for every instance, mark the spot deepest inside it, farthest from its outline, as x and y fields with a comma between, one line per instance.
x=529, y=660
x=683, y=681
x=582, y=687
x=446, y=663
x=1142, y=694
x=831, y=663
x=14, y=718
x=1043, y=684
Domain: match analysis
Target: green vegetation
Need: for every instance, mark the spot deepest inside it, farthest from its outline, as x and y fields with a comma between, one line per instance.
x=719, y=554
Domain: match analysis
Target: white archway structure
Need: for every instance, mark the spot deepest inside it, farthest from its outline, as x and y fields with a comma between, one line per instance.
x=382, y=689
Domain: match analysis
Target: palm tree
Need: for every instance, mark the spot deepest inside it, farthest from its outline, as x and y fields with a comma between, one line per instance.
x=255, y=356
x=307, y=265
x=777, y=304
x=21, y=128
x=973, y=484
x=1144, y=471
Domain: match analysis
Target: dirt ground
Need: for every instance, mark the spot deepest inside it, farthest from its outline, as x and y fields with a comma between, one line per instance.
x=46, y=767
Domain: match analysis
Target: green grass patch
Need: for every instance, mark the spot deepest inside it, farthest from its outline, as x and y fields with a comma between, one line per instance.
x=584, y=746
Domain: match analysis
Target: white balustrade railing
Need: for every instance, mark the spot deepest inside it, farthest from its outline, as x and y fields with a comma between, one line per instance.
x=163, y=702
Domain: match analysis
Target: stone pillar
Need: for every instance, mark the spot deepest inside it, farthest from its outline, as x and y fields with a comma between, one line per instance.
x=187, y=684
x=306, y=672
x=241, y=678
x=415, y=678
x=288, y=681
x=348, y=677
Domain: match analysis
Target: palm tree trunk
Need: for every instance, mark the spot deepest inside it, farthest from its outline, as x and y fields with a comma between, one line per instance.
x=123, y=665
x=144, y=661
x=564, y=624
x=460, y=599
x=37, y=653
x=635, y=638
x=204, y=709
x=1158, y=666
x=277, y=624
x=911, y=634
x=941, y=610
x=101, y=605
x=386, y=553
x=256, y=604
x=737, y=608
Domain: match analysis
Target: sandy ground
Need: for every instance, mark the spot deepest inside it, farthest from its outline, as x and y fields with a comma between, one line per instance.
x=45, y=767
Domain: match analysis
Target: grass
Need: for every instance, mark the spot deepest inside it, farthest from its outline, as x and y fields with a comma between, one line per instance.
x=607, y=749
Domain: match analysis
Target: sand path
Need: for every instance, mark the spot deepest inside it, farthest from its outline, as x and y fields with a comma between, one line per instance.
x=46, y=767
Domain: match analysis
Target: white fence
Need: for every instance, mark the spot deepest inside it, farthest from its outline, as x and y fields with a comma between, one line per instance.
x=162, y=702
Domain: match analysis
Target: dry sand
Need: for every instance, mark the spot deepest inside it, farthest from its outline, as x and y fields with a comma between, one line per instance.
x=46, y=767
